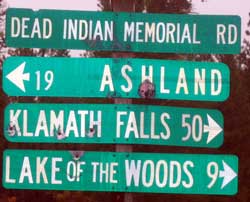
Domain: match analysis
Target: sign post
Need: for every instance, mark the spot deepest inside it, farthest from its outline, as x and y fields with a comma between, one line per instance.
x=120, y=123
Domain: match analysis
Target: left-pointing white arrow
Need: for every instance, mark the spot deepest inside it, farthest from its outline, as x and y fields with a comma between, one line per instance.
x=212, y=128
x=228, y=174
x=17, y=76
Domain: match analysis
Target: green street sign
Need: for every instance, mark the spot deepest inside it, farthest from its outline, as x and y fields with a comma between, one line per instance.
x=111, y=31
x=120, y=172
x=116, y=77
x=113, y=124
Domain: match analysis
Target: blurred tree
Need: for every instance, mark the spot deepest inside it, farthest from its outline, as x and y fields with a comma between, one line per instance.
x=3, y=51
x=150, y=6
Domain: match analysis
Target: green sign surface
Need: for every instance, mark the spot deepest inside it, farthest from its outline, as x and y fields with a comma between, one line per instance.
x=116, y=77
x=110, y=31
x=115, y=124
x=120, y=172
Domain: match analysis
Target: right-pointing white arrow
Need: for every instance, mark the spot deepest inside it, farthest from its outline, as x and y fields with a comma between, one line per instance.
x=17, y=76
x=228, y=174
x=212, y=128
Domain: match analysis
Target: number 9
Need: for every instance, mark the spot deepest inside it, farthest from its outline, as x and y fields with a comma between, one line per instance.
x=49, y=77
x=212, y=172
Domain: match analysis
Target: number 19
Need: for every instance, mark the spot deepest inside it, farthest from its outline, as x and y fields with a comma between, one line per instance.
x=48, y=77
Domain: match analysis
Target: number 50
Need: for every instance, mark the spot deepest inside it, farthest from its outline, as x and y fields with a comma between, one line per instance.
x=194, y=127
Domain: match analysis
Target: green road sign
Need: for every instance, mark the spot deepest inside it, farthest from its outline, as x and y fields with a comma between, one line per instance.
x=112, y=31
x=116, y=124
x=120, y=172
x=121, y=77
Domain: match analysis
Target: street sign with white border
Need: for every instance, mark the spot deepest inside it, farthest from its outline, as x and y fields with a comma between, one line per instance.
x=112, y=31
x=116, y=78
x=113, y=124
x=120, y=172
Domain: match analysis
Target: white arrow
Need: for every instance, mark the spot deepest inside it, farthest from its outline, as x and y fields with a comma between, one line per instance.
x=212, y=128
x=17, y=76
x=228, y=174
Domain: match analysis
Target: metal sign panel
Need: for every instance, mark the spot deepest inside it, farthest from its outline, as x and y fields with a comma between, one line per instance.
x=118, y=77
x=120, y=172
x=111, y=31
x=115, y=124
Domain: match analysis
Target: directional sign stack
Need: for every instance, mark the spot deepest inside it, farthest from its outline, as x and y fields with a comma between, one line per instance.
x=118, y=123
